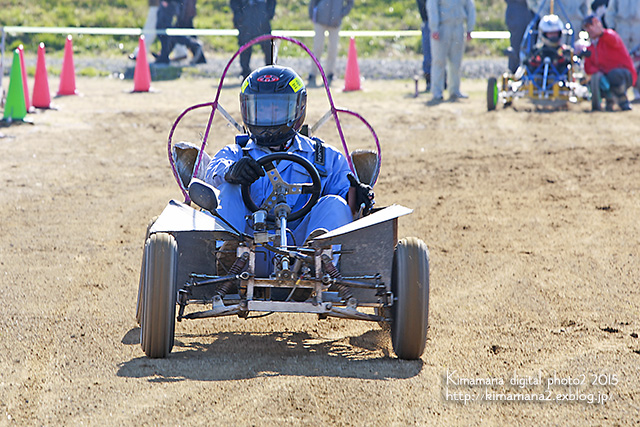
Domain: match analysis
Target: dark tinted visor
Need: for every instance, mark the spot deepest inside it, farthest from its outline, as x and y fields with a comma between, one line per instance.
x=554, y=36
x=268, y=109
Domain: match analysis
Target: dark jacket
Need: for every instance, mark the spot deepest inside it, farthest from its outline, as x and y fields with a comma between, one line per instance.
x=252, y=17
x=422, y=8
x=329, y=12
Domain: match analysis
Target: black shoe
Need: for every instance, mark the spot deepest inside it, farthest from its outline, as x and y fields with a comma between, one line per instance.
x=427, y=78
x=202, y=59
x=623, y=103
x=198, y=56
x=329, y=79
x=458, y=95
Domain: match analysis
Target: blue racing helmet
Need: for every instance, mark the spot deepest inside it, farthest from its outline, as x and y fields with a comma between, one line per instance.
x=273, y=103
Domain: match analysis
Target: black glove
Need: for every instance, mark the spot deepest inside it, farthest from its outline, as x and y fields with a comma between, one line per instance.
x=364, y=194
x=245, y=171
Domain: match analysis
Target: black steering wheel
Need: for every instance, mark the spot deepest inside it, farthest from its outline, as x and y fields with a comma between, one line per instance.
x=281, y=189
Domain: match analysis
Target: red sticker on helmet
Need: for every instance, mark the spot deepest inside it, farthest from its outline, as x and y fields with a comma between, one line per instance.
x=268, y=78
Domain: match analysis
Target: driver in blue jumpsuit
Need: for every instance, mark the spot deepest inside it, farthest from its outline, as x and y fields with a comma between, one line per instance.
x=273, y=101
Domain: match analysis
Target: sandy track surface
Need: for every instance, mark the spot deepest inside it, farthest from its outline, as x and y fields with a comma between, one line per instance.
x=531, y=219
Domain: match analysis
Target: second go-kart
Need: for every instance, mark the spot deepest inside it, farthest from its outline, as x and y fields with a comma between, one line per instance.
x=550, y=73
x=197, y=265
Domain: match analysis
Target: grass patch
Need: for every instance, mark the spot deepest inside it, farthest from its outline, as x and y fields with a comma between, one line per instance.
x=92, y=72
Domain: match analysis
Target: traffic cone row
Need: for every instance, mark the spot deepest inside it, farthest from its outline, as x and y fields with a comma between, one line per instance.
x=18, y=103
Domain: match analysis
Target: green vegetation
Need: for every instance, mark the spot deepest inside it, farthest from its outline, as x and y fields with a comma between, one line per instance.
x=290, y=15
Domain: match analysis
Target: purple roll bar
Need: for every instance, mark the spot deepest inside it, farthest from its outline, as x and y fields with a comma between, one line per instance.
x=214, y=107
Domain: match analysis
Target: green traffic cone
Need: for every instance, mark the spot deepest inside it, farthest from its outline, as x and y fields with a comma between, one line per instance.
x=15, y=108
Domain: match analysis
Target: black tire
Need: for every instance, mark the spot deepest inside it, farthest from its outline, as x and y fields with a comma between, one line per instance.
x=158, y=321
x=596, y=95
x=139, y=302
x=492, y=93
x=410, y=287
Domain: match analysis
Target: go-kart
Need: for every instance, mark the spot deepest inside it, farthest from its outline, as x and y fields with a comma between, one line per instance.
x=546, y=82
x=197, y=265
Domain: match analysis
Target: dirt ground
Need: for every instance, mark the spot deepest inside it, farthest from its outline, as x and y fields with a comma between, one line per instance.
x=531, y=219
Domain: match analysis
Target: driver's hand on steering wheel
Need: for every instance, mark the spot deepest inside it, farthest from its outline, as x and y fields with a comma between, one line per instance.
x=245, y=171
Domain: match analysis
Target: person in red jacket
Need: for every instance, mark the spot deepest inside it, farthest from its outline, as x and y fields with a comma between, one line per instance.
x=609, y=56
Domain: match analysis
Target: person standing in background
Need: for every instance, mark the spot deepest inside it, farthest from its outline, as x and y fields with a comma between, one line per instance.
x=149, y=29
x=517, y=17
x=327, y=16
x=426, y=42
x=253, y=18
x=168, y=11
x=188, y=12
x=447, y=24
x=574, y=11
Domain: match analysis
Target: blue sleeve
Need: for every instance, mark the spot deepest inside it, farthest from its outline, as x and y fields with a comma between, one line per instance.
x=337, y=170
x=220, y=163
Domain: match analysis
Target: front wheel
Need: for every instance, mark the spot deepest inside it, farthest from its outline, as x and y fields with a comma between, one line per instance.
x=157, y=326
x=410, y=287
x=139, y=302
x=492, y=93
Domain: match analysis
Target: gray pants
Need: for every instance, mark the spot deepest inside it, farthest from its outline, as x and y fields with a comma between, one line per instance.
x=318, y=47
x=448, y=49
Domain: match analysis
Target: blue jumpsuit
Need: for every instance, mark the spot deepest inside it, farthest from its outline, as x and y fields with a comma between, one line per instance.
x=331, y=211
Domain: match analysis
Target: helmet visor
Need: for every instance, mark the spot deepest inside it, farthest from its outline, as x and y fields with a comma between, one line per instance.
x=553, y=36
x=269, y=109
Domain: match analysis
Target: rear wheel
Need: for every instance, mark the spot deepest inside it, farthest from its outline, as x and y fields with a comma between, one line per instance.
x=410, y=287
x=492, y=93
x=157, y=324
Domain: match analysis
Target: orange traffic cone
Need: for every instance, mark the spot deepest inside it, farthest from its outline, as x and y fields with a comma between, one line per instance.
x=68, y=73
x=41, y=95
x=142, y=73
x=25, y=86
x=352, y=73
